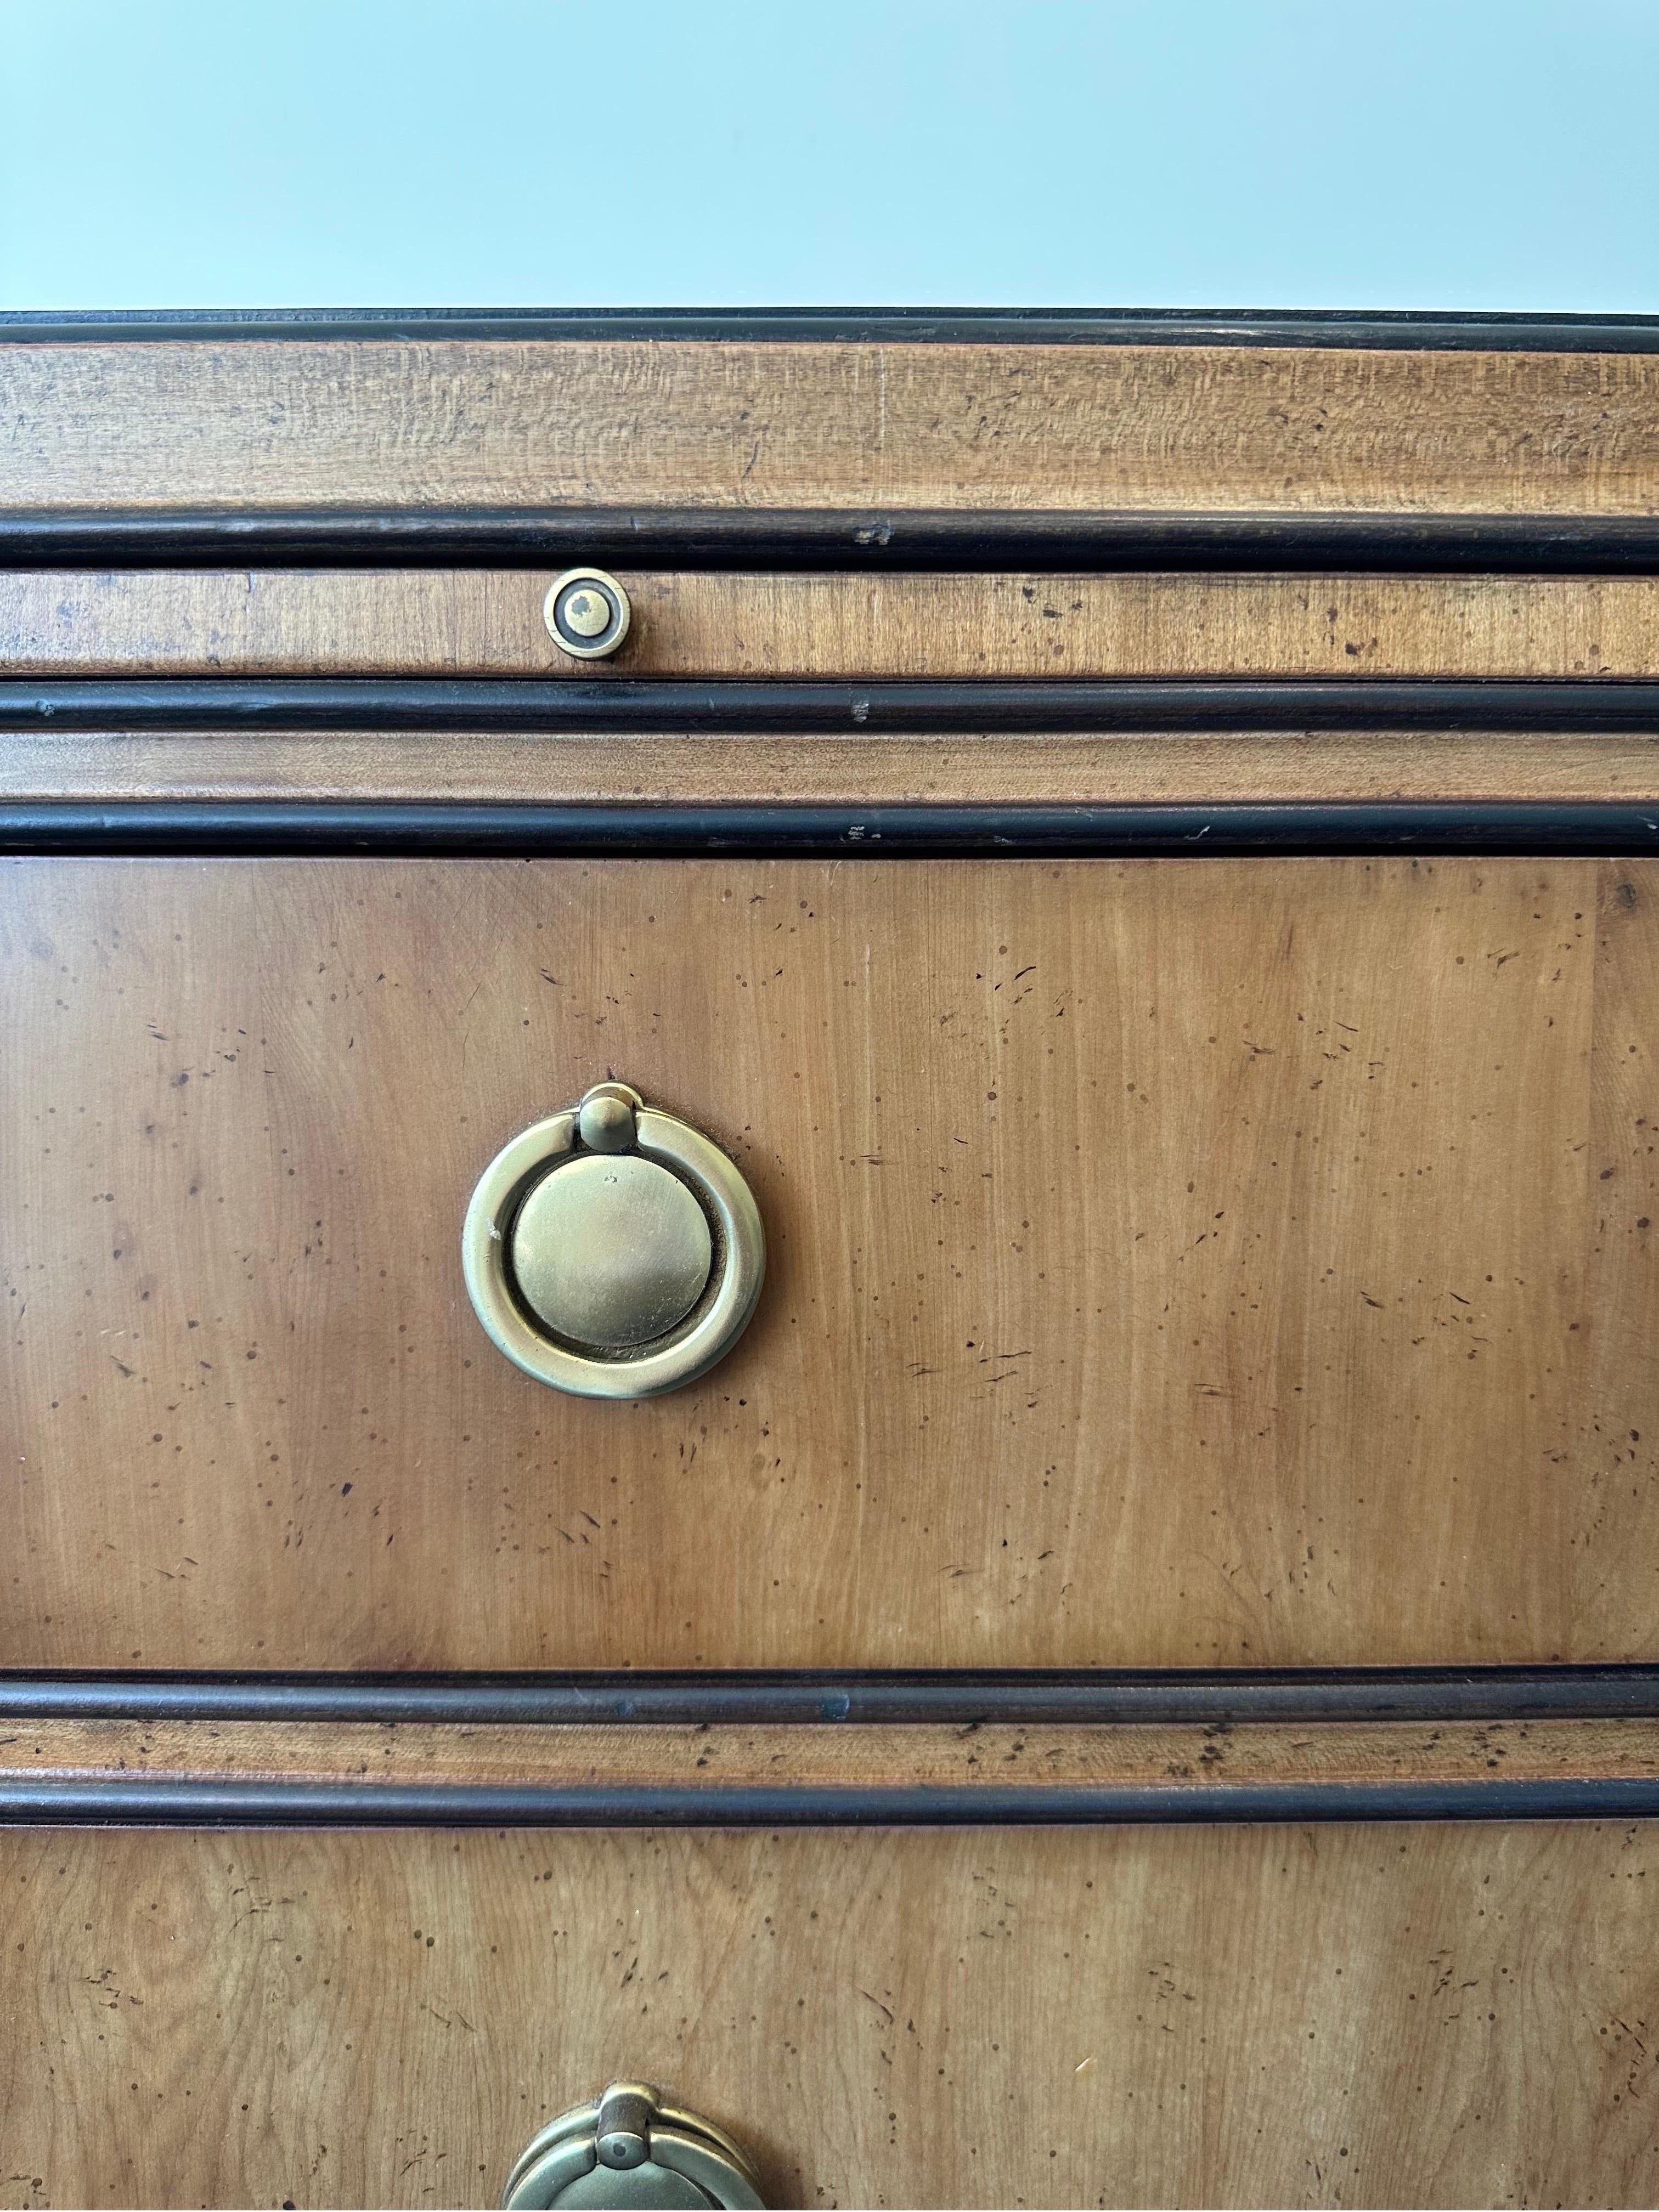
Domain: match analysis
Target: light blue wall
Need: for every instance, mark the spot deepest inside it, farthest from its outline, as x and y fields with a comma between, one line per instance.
x=1375, y=153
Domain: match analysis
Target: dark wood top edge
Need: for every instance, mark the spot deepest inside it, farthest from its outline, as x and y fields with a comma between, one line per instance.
x=764, y=707
x=155, y=1801
x=1036, y=1696
x=1432, y=330
x=826, y=539
x=466, y=829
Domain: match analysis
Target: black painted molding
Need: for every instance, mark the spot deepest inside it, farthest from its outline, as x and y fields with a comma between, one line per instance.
x=157, y=1801
x=1038, y=1696
x=1424, y=1696
x=464, y=830
x=847, y=827
x=1432, y=331
x=754, y=706
x=827, y=539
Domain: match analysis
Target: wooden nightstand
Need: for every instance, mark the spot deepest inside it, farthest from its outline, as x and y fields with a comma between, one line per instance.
x=830, y=1191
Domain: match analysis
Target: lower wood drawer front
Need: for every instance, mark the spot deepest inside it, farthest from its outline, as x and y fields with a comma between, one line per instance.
x=1170, y=1263
x=1271, y=2015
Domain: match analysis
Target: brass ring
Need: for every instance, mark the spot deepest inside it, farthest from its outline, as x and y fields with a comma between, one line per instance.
x=706, y=1334
x=630, y=2130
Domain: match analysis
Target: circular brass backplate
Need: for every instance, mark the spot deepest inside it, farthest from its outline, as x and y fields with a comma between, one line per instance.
x=610, y=1250
x=614, y=1273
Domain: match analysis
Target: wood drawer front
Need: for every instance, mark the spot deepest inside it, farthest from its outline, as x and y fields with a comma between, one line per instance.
x=1171, y=1264
x=444, y=425
x=278, y=622
x=1399, y=2016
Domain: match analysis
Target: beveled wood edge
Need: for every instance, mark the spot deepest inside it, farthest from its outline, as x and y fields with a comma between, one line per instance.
x=698, y=1756
x=1002, y=770
x=784, y=1775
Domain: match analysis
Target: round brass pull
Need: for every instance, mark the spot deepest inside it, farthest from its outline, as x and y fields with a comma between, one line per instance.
x=587, y=613
x=630, y=2149
x=612, y=1250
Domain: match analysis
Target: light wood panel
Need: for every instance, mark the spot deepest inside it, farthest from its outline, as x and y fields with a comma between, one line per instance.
x=1433, y=2017
x=432, y=423
x=485, y=621
x=1215, y=1757
x=1169, y=767
x=1623, y=1315
x=1171, y=1263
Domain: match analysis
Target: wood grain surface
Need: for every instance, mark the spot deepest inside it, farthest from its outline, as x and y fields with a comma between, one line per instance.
x=1170, y=767
x=1441, y=2015
x=279, y=622
x=435, y=423
x=1215, y=1756
x=1170, y=1263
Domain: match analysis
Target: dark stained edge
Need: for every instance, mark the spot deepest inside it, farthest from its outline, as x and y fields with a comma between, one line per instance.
x=1039, y=1697
x=968, y=707
x=826, y=539
x=462, y=830
x=158, y=1802
x=1432, y=331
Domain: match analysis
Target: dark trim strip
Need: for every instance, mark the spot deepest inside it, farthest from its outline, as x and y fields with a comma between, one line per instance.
x=156, y=1801
x=467, y=829
x=1432, y=331
x=677, y=538
x=738, y=707
x=1036, y=1696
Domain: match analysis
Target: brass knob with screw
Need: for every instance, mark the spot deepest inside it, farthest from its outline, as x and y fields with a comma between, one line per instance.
x=587, y=613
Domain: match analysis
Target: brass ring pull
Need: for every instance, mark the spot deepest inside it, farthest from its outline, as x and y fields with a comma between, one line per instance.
x=612, y=1250
x=630, y=2148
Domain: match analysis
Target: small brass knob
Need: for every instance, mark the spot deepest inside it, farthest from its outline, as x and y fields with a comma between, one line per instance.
x=587, y=613
x=630, y=2149
x=612, y=1250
